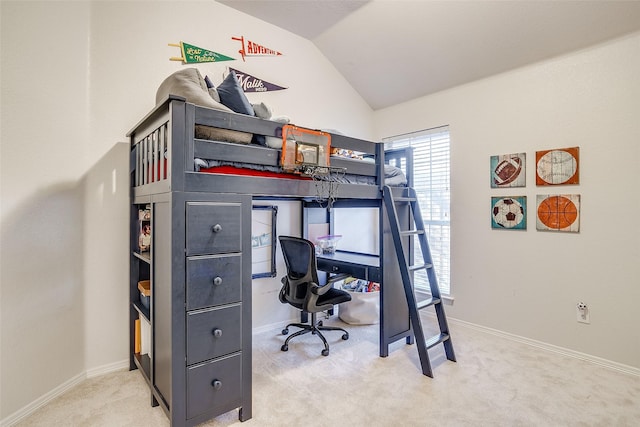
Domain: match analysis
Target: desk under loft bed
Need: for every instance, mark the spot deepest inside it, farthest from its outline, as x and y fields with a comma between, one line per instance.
x=196, y=326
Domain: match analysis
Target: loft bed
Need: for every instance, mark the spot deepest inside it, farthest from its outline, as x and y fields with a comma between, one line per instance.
x=200, y=216
x=166, y=155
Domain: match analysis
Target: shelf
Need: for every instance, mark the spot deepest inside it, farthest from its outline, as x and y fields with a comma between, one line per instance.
x=144, y=312
x=143, y=362
x=144, y=256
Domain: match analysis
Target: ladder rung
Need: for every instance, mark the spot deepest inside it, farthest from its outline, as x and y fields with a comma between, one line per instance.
x=420, y=267
x=427, y=303
x=435, y=340
x=404, y=199
x=411, y=232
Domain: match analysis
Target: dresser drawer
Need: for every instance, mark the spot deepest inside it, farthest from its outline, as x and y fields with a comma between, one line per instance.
x=213, y=280
x=213, y=332
x=213, y=228
x=214, y=386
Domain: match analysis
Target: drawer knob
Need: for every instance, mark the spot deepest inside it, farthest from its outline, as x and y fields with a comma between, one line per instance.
x=217, y=228
x=217, y=384
x=217, y=333
x=217, y=281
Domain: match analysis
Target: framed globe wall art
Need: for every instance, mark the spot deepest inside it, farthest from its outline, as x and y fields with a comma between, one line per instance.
x=558, y=167
x=558, y=213
x=508, y=170
x=509, y=213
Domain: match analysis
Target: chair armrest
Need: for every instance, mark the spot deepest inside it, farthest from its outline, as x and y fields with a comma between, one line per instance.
x=319, y=290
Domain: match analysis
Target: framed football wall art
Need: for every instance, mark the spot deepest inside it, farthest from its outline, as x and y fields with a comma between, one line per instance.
x=560, y=166
x=508, y=170
x=509, y=213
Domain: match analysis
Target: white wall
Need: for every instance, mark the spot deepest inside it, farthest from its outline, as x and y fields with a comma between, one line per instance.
x=72, y=87
x=528, y=283
x=267, y=310
x=44, y=129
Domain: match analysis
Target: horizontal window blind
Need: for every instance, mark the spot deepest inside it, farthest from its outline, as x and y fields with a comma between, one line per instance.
x=431, y=180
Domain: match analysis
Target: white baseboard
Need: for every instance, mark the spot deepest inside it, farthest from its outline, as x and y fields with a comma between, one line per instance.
x=278, y=325
x=620, y=367
x=42, y=400
x=60, y=390
x=122, y=365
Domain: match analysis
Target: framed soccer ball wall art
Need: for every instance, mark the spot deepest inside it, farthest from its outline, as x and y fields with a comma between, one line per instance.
x=509, y=213
x=508, y=170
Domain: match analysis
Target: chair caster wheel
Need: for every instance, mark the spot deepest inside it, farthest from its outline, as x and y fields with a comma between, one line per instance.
x=325, y=352
x=285, y=331
x=320, y=323
x=345, y=337
x=284, y=347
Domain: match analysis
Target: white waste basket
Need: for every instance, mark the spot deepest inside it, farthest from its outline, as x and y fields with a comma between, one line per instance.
x=363, y=309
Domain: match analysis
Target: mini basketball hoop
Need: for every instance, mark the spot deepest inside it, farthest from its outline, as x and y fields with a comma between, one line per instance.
x=327, y=181
x=304, y=149
x=307, y=152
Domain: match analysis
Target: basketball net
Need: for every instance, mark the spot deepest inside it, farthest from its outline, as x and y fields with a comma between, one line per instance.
x=327, y=181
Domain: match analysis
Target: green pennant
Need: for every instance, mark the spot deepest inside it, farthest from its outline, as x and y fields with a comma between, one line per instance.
x=194, y=54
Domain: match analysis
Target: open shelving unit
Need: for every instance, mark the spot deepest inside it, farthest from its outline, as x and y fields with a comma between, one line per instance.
x=141, y=269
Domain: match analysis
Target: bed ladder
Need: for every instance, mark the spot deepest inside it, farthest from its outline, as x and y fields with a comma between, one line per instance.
x=406, y=270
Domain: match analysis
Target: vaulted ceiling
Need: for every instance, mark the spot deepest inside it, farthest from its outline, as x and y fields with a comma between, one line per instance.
x=392, y=51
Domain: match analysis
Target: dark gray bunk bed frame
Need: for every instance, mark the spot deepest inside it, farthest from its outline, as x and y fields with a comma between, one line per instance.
x=199, y=362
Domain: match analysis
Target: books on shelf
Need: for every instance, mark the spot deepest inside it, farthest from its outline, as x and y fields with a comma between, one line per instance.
x=137, y=347
x=145, y=337
x=144, y=231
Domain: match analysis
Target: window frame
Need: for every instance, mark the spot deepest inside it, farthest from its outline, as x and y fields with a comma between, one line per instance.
x=431, y=176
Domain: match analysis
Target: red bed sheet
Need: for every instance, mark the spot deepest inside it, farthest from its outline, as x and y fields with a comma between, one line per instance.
x=232, y=170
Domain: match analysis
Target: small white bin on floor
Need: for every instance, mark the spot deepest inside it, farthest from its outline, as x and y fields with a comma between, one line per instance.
x=363, y=309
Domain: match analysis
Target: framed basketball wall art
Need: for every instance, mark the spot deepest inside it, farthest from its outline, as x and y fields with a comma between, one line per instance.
x=558, y=167
x=509, y=213
x=558, y=213
x=508, y=170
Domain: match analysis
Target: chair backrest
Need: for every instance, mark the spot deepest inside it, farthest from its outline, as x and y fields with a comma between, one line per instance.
x=300, y=259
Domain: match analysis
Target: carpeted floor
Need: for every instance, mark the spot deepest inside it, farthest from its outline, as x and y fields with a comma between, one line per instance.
x=496, y=382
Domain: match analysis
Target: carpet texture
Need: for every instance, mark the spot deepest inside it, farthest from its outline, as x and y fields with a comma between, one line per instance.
x=496, y=382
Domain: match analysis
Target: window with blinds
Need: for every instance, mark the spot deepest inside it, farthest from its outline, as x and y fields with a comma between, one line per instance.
x=431, y=170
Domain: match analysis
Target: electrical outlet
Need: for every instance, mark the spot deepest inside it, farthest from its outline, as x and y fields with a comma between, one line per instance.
x=582, y=312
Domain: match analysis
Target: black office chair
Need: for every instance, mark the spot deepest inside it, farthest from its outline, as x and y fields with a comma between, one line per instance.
x=300, y=288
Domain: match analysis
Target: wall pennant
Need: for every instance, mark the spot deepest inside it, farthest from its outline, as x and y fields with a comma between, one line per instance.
x=193, y=54
x=254, y=49
x=250, y=83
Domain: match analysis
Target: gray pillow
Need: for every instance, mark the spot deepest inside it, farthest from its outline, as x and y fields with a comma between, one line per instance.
x=212, y=89
x=189, y=84
x=262, y=110
x=232, y=95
